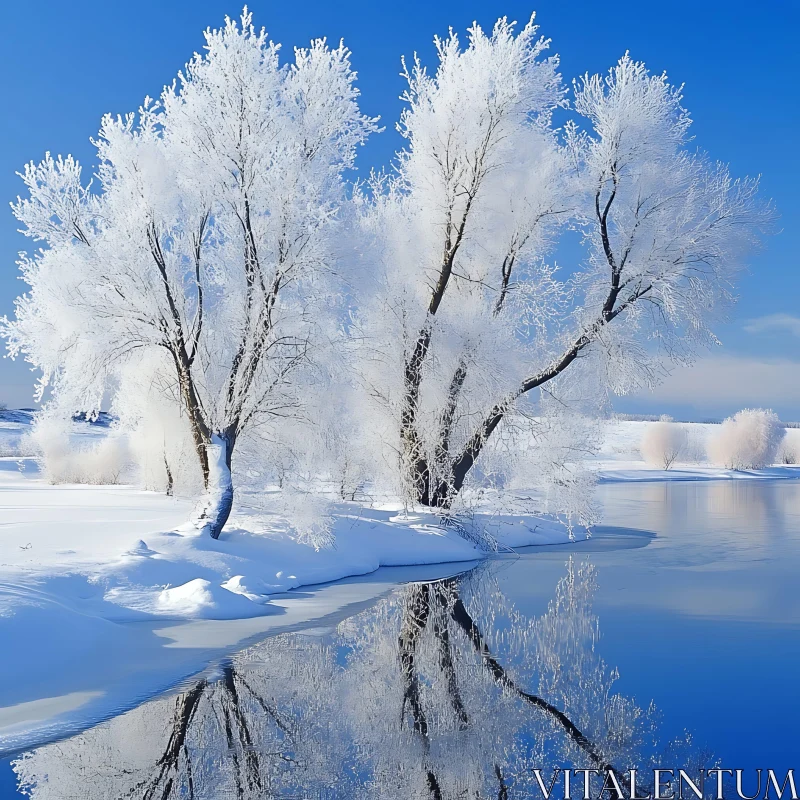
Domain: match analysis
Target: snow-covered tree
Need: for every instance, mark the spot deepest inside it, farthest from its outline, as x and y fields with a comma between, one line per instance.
x=200, y=256
x=466, y=325
x=663, y=442
x=203, y=262
x=750, y=439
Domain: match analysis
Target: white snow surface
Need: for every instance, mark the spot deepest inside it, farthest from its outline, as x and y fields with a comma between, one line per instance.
x=127, y=554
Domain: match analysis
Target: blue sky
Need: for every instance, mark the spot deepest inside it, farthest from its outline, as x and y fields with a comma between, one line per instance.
x=65, y=64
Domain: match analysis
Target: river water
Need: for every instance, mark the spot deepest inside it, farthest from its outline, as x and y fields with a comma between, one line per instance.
x=670, y=640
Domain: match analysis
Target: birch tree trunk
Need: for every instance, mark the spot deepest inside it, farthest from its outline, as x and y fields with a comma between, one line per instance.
x=218, y=501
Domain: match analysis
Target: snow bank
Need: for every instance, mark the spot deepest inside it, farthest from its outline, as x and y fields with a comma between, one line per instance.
x=136, y=558
x=140, y=560
x=258, y=557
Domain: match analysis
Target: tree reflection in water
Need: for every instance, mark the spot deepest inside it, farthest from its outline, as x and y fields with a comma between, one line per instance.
x=443, y=690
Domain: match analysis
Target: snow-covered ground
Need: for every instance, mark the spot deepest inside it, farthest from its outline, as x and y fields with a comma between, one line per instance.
x=107, y=596
x=129, y=554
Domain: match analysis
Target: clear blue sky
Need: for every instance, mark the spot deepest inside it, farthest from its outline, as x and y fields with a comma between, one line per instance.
x=64, y=64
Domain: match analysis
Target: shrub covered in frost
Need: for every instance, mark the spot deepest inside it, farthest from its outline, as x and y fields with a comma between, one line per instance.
x=750, y=439
x=17, y=446
x=65, y=458
x=663, y=443
x=789, y=451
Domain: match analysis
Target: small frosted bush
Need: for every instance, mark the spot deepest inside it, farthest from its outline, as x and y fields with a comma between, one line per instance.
x=9, y=447
x=748, y=440
x=663, y=443
x=63, y=460
x=789, y=451
x=19, y=446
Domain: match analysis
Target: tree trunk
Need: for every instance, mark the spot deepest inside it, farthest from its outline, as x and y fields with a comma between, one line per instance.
x=197, y=425
x=415, y=463
x=219, y=494
x=170, y=481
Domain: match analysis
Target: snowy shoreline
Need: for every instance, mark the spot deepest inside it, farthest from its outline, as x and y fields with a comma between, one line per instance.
x=131, y=555
x=127, y=555
x=619, y=473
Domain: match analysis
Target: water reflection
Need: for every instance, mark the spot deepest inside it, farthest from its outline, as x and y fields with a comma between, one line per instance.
x=718, y=507
x=443, y=690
